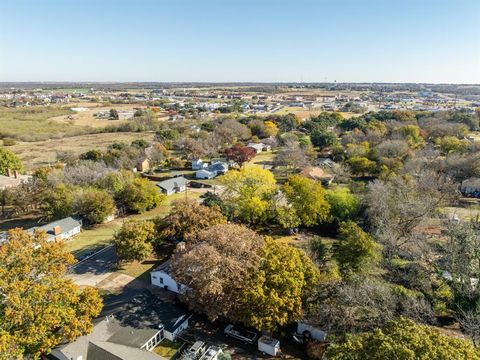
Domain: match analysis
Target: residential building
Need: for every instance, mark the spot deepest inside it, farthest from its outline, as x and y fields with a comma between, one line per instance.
x=205, y=174
x=318, y=174
x=198, y=164
x=173, y=185
x=143, y=164
x=161, y=277
x=131, y=333
x=259, y=147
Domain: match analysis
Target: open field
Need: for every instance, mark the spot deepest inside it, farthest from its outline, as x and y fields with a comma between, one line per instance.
x=35, y=123
x=41, y=153
x=55, y=121
x=305, y=113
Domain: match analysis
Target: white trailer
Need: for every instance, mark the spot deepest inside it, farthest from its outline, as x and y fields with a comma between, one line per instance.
x=310, y=332
x=268, y=345
x=241, y=334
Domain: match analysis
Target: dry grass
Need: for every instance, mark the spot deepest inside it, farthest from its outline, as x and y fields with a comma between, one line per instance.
x=41, y=153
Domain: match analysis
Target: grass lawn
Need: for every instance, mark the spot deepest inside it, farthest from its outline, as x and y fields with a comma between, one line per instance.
x=265, y=157
x=167, y=348
x=34, y=123
x=97, y=236
x=102, y=234
x=141, y=270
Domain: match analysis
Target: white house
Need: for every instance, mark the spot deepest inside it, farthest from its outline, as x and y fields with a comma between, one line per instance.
x=132, y=333
x=198, y=164
x=205, y=174
x=259, y=147
x=161, y=277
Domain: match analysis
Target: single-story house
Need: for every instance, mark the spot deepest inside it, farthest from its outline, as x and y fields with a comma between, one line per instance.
x=219, y=166
x=318, y=174
x=130, y=333
x=60, y=229
x=161, y=277
x=205, y=174
x=471, y=187
x=198, y=164
x=173, y=185
x=259, y=147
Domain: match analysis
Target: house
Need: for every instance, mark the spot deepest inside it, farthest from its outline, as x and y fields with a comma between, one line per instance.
x=63, y=229
x=215, y=169
x=173, y=185
x=220, y=167
x=205, y=174
x=471, y=187
x=198, y=164
x=161, y=277
x=259, y=147
x=13, y=179
x=318, y=174
x=143, y=164
x=131, y=333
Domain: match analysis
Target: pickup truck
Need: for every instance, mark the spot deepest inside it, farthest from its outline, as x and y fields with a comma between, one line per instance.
x=240, y=333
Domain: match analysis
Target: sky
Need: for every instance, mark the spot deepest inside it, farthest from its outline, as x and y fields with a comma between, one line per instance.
x=432, y=41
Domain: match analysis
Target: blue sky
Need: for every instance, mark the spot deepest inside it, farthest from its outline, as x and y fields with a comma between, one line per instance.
x=240, y=40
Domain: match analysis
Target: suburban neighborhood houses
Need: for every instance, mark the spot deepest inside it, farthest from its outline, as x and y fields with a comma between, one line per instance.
x=240, y=180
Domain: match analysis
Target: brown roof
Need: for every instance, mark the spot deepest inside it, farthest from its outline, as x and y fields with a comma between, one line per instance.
x=316, y=173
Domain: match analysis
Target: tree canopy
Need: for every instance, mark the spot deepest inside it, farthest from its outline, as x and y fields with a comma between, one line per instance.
x=274, y=293
x=403, y=340
x=9, y=161
x=40, y=307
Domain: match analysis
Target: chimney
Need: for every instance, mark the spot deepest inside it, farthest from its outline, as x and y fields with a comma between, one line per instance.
x=15, y=174
x=57, y=230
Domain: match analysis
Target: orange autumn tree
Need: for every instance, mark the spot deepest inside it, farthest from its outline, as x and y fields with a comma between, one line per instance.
x=39, y=306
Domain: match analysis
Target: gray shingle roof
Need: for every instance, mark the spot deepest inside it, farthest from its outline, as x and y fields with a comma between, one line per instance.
x=171, y=184
x=65, y=225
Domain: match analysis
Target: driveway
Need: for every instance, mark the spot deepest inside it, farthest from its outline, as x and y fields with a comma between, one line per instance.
x=95, y=269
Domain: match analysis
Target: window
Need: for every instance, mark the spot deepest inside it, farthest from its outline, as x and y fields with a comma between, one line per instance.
x=161, y=280
x=179, y=287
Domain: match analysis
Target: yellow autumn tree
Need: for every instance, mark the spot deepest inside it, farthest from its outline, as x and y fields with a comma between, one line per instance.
x=40, y=307
x=275, y=292
x=249, y=191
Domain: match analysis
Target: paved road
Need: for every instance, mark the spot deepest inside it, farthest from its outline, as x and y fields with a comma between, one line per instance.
x=95, y=269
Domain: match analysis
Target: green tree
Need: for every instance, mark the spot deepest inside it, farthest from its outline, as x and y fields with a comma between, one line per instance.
x=323, y=138
x=115, y=182
x=113, y=114
x=93, y=155
x=40, y=307
x=451, y=144
x=307, y=198
x=361, y=166
x=133, y=242
x=249, y=192
x=275, y=292
x=95, y=205
x=141, y=195
x=343, y=204
x=356, y=251
x=403, y=340
x=59, y=202
x=9, y=161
